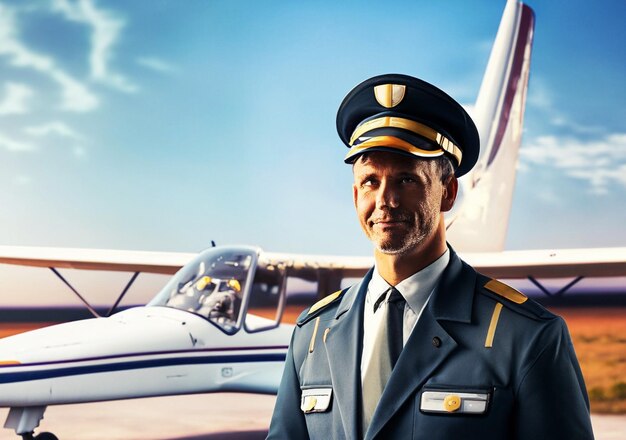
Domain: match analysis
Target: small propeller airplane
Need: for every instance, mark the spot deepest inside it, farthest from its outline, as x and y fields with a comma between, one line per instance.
x=223, y=322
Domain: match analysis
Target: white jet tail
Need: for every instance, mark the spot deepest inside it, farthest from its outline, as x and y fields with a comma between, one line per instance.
x=479, y=221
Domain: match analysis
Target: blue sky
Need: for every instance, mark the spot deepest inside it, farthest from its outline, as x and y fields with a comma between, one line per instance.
x=163, y=125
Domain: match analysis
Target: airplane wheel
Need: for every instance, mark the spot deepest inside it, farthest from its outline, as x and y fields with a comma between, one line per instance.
x=46, y=436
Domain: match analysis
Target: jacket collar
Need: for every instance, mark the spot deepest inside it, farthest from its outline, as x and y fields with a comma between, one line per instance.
x=354, y=295
x=454, y=296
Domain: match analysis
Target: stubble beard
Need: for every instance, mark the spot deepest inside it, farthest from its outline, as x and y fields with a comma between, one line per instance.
x=420, y=230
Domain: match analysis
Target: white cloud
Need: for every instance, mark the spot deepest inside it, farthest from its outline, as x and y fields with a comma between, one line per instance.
x=156, y=64
x=59, y=130
x=13, y=145
x=16, y=99
x=105, y=31
x=540, y=97
x=75, y=95
x=53, y=128
x=601, y=161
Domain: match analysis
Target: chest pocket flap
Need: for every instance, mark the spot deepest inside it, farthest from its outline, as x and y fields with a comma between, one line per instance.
x=316, y=399
x=454, y=402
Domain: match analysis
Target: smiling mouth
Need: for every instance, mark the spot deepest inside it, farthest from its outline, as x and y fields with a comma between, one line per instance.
x=387, y=222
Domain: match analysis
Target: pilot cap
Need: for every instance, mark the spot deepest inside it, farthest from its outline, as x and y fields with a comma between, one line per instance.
x=406, y=115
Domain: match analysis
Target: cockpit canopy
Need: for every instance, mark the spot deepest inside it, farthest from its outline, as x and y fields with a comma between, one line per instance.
x=220, y=284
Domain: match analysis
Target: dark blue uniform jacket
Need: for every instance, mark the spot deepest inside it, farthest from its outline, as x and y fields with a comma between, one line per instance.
x=483, y=362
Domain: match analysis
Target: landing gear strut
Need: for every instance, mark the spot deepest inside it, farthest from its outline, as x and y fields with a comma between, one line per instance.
x=25, y=419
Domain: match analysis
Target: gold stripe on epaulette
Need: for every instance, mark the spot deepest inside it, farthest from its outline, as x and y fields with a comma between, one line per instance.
x=312, y=343
x=505, y=291
x=492, y=325
x=324, y=302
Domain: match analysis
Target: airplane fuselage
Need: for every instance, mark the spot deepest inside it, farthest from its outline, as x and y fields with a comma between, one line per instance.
x=140, y=352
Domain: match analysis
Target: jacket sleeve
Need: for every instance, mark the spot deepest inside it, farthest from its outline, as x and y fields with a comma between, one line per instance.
x=288, y=419
x=552, y=399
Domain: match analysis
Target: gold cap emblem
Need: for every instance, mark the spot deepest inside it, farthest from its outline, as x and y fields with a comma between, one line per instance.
x=389, y=95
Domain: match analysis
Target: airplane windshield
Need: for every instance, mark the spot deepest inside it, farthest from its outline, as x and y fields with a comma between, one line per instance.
x=212, y=285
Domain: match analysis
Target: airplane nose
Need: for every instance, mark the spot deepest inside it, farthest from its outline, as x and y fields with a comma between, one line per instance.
x=145, y=329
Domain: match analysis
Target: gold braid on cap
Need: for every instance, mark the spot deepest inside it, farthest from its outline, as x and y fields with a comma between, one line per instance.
x=422, y=130
x=393, y=142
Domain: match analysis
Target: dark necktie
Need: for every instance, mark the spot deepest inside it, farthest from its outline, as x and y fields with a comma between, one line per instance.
x=395, y=325
x=388, y=344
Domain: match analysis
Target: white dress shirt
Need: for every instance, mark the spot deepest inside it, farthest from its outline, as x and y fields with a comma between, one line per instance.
x=415, y=289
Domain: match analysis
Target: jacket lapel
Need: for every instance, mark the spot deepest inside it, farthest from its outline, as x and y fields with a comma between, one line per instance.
x=451, y=301
x=343, y=346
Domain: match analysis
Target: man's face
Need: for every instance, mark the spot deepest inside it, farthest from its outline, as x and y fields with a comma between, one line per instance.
x=399, y=200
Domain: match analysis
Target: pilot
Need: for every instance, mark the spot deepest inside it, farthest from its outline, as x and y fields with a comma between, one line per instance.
x=191, y=294
x=223, y=305
x=423, y=347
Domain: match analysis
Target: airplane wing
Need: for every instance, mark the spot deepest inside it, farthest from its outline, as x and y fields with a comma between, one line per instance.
x=95, y=259
x=556, y=263
x=561, y=263
x=167, y=263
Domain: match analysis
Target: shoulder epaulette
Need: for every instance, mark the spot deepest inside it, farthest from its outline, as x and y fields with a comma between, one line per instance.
x=324, y=302
x=318, y=306
x=514, y=299
x=508, y=292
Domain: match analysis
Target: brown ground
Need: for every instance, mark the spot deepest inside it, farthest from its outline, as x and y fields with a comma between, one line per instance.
x=599, y=336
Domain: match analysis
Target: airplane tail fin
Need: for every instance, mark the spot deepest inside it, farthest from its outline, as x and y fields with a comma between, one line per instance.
x=480, y=220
